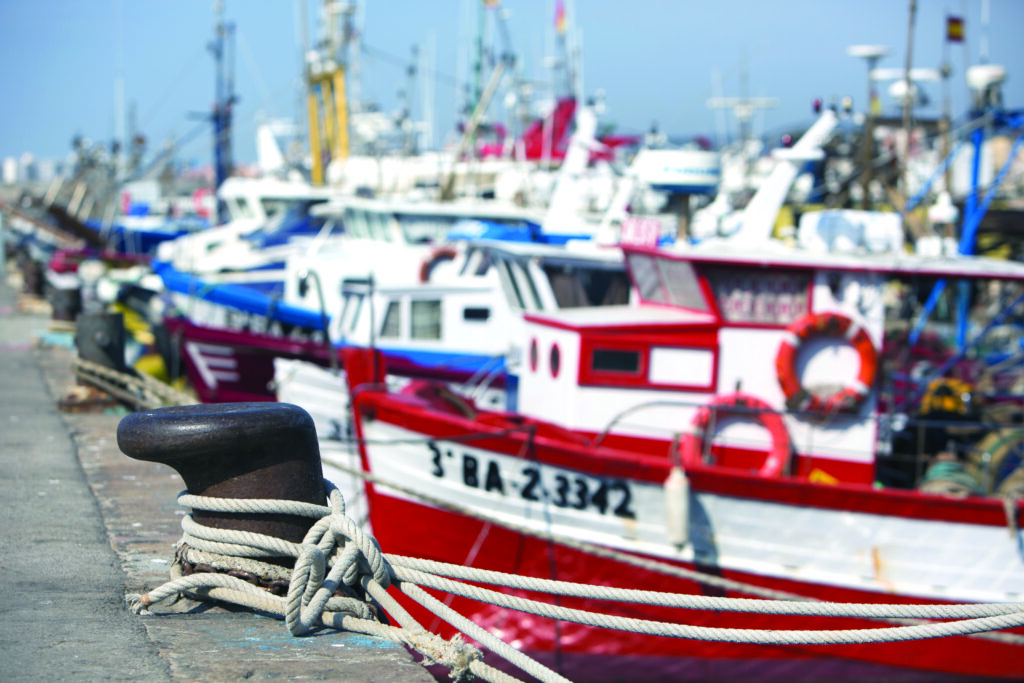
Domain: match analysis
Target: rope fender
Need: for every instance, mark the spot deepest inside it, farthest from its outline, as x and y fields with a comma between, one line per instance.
x=846, y=400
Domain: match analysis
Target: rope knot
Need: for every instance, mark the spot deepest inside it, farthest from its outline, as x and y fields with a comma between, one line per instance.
x=137, y=604
x=456, y=654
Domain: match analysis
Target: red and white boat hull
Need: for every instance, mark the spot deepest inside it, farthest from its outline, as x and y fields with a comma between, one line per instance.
x=835, y=543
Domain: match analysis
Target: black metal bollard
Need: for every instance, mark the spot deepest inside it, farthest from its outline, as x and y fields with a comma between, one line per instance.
x=235, y=450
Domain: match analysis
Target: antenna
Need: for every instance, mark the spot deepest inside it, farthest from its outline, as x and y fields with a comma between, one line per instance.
x=743, y=107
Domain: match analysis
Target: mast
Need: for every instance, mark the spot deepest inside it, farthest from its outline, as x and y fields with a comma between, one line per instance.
x=225, y=99
x=908, y=103
x=870, y=54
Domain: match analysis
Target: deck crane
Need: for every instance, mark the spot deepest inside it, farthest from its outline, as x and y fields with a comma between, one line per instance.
x=326, y=99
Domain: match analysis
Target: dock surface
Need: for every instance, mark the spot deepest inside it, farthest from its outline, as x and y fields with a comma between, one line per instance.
x=84, y=525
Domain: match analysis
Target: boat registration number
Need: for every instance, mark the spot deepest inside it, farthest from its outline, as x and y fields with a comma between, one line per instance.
x=534, y=482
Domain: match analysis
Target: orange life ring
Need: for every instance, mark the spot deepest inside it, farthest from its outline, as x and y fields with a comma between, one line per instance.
x=436, y=256
x=692, y=442
x=846, y=400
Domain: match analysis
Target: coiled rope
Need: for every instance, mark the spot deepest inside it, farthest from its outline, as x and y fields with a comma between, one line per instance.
x=336, y=556
x=139, y=389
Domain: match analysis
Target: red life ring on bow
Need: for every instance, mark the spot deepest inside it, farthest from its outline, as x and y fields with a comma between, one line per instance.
x=692, y=442
x=436, y=257
x=847, y=400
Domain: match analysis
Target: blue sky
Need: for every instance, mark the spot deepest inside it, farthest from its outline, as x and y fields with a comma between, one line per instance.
x=654, y=59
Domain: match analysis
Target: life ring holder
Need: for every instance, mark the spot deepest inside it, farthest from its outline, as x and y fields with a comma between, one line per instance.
x=691, y=443
x=436, y=256
x=846, y=400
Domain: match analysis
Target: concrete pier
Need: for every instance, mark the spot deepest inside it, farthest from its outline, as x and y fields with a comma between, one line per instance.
x=84, y=524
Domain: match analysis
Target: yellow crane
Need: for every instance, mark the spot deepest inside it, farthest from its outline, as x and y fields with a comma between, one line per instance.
x=326, y=98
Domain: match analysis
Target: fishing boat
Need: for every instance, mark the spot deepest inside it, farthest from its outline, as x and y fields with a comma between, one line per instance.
x=771, y=417
x=443, y=313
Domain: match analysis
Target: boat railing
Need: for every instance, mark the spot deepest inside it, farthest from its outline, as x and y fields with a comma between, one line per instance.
x=481, y=380
x=304, y=277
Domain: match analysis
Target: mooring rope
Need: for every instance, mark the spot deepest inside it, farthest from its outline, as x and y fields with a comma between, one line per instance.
x=646, y=563
x=340, y=575
x=140, y=390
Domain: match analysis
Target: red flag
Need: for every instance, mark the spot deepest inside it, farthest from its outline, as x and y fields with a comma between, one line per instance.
x=955, y=29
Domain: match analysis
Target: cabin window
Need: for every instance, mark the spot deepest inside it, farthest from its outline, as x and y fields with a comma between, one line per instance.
x=353, y=303
x=682, y=284
x=356, y=223
x=476, y=314
x=392, y=326
x=574, y=286
x=380, y=226
x=273, y=207
x=511, y=287
x=645, y=275
x=244, y=210
x=422, y=229
x=759, y=296
x=614, y=360
x=667, y=281
x=526, y=286
x=426, y=319
x=483, y=265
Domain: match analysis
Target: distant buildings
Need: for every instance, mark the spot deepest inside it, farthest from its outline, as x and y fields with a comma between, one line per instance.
x=28, y=169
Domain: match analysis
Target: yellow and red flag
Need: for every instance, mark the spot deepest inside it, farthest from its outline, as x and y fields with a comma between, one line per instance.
x=955, y=29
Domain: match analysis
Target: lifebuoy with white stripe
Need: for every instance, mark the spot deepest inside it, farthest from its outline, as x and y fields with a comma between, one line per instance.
x=846, y=400
x=691, y=444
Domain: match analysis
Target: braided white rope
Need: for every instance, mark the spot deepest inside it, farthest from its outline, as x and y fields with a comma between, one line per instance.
x=728, y=635
x=645, y=563
x=406, y=567
x=336, y=553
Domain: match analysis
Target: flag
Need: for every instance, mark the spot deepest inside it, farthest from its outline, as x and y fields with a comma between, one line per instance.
x=559, y=17
x=955, y=29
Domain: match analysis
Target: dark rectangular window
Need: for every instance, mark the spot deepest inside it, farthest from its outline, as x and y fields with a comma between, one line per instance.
x=476, y=314
x=606, y=360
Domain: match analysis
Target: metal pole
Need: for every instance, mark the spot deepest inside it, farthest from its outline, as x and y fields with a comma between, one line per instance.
x=907, y=103
x=3, y=248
